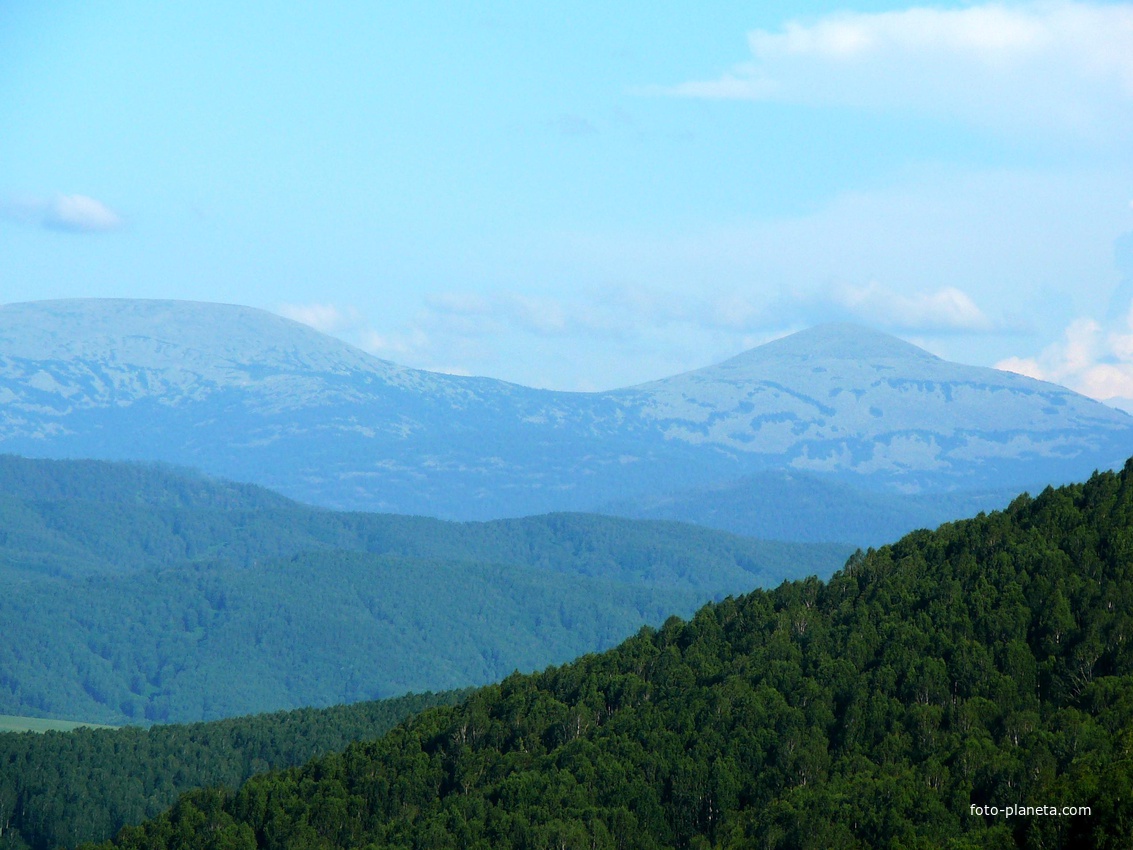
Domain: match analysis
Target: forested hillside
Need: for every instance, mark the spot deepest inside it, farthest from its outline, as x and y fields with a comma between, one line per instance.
x=134, y=593
x=988, y=663
x=179, y=645
x=60, y=788
x=76, y=518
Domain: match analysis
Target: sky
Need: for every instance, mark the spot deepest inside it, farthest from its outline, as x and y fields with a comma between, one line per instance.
x=587, y=195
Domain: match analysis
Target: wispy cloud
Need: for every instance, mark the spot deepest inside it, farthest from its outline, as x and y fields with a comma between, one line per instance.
x=63, y=213
x=80, y=214
x=410, y=344
x=1053, y=65
x=945, y=310
x=632, y=312
x=654, y=331
x=327, y=318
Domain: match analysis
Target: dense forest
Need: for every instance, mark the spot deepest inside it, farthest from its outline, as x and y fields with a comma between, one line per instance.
x=240, y=601
x=60, y=788
x=317, y=629
x=988, y=663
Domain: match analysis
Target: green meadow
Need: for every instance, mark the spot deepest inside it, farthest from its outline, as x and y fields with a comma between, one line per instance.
x=11, y=723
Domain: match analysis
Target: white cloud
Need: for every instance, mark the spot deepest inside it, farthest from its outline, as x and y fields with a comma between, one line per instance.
x=80, y=214
x=734, y=318
x=1002, y=239
x=1053, y=65
x=1089, y=359
x=326, y=318
x=67, y=213
x=409, y=345
x=947, y=309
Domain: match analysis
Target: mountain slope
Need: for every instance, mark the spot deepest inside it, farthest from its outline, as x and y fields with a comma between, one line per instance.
x=250, y=396
x=987, y=664
x=181, y=645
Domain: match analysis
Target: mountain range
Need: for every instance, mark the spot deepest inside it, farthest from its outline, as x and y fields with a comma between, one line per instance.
x=254, y=397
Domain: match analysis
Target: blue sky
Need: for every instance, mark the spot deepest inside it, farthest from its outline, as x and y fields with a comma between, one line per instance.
x=587, y=195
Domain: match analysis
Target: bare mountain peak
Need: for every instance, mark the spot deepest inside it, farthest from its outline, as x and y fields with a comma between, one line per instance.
x=189, y=335
x=838, y=341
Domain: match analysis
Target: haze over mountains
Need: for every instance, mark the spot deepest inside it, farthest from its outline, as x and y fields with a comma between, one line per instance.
x=248, y=395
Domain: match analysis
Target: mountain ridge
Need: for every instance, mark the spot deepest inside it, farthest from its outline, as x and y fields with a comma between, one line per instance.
x=253, y=397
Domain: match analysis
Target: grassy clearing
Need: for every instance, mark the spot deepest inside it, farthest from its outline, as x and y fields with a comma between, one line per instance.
x=10, y=723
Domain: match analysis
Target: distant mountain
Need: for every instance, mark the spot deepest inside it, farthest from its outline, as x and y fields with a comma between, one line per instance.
x=250, y=396
x=132, y=593
x=843, y=399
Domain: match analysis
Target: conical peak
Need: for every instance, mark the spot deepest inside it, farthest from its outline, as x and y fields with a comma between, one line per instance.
x=838, y=341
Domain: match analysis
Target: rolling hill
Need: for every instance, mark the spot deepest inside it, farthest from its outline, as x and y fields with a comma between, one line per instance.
x=133, y=593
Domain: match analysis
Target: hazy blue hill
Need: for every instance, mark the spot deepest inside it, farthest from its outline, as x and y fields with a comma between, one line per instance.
x=249, y=396
x=985, y=664
x=74, y=518
x=137, y=593
x=848, y=400
x=790, y=505
x=150, y=484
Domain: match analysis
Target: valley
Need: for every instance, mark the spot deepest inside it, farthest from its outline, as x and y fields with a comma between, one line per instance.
x=705, y=611
x=983, y=663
